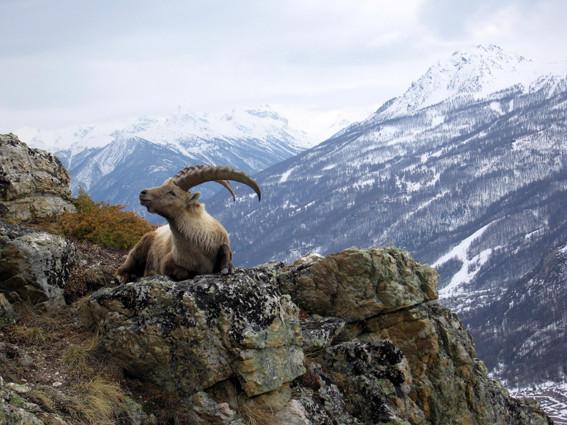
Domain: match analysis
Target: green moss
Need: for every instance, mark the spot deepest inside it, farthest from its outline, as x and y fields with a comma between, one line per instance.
x=16, y=400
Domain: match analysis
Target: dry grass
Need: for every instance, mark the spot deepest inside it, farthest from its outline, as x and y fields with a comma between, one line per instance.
x=256, y=415
x=29, y=335
x=98, y=402
x=78, y=357
x=98, y=222
x=42, y=398
x=89, y=390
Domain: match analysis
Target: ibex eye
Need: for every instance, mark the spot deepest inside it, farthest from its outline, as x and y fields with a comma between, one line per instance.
x=171, y=192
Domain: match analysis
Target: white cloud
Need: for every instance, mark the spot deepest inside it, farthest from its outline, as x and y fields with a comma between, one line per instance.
x=71, y=62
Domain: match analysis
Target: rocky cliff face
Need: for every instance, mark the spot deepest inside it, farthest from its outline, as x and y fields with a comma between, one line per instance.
x=353, y=338
x=33, y=183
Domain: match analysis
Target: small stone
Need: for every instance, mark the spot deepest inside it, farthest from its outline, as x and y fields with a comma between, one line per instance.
x=7, y=314
x=56, y=384
x=19, y=388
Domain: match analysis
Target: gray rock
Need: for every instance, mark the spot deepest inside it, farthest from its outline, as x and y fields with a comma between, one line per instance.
x=206, y=411
x=33, y=183
x=7, y=314
x=34, y=265
x=356, y=284
x=322, y=401
x=319, y=333
x=16, y=410
x=293, y=414
x=379, y=350
x=188, y=336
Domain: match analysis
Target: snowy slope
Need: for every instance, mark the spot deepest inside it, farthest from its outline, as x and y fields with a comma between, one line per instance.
x=522, y=331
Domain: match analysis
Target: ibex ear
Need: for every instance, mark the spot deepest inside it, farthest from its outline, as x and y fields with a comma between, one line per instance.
x=193, y=198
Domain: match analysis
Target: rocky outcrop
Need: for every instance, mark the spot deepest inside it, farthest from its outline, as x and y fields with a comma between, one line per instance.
x=34, y=265
x=204, y=337
x=376, y=348
x=358, y=284
x=33, y=183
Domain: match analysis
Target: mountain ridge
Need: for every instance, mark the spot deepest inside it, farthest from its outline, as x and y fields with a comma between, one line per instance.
x=113, y=163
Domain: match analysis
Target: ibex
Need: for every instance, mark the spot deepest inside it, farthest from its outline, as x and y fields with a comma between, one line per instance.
x=193, y=242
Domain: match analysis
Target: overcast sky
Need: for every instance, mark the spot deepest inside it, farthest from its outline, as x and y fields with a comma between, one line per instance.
x=68, y=62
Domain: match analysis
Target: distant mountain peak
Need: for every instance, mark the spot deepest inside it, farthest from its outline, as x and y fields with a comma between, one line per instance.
x=260, y=124
x=476, y=72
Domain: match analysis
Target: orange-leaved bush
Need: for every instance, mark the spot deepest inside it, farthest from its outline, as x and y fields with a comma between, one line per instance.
x=104, y=224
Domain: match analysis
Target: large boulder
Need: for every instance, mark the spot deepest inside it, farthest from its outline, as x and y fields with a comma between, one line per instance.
x=356, y=284
x=33, y=183
x=189, y=336
x=34, y=266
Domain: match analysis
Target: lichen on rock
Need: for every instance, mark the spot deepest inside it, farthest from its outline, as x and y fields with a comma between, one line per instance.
x=34, y=266
x=356, y=284
x=378, y=347
x=401, y=357
x=188, y=336
x=33, y=183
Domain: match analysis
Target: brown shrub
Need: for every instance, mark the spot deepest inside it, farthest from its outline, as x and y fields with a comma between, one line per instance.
x=103, y=224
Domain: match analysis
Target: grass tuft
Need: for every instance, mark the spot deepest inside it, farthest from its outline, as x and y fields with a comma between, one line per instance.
x=99, y=402
x=76, y=357
x=30, y=335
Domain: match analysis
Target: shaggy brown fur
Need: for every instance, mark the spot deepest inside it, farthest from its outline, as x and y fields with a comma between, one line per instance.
x=192, y=243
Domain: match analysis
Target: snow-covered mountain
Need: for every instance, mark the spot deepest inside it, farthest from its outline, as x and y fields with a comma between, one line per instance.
x=467, y=74
x=114, y=161
x=467, y=170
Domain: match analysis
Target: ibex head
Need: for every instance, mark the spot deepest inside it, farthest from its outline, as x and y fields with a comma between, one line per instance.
x=174, y=197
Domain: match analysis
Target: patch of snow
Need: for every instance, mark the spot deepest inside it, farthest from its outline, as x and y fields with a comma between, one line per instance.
x=437, y=120
x=536, y=232
x=470, y=266
x=496, y=107
x=285, y=175
x=363, y=183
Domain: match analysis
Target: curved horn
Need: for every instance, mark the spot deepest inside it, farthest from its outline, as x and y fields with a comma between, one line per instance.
x=197, y=174
x=228, y=186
